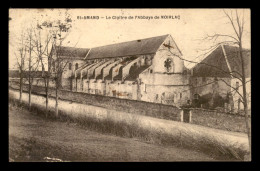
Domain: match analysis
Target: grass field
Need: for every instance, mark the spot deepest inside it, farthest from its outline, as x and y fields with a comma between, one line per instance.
x=35, y=138
x=218, y=144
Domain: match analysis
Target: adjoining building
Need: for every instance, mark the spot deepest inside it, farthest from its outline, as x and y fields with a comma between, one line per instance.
x=216, y=80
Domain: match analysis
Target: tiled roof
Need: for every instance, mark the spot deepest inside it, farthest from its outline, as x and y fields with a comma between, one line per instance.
x=235, y=60
x=211, y=65
x=136, y=47
x=72, y=51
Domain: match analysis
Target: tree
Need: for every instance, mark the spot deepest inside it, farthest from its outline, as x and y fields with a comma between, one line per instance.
x=27, y=67
x=239, y=29
x=20, y=62
x=32, y=67
x=58, y=62
x=50, y=34
x=237, y=22
x=42, y=52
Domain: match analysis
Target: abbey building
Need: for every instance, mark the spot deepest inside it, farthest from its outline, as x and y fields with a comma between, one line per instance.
x=149, y=69
x=153, y=70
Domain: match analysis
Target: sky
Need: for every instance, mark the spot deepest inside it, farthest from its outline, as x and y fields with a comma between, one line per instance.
x=188, y=28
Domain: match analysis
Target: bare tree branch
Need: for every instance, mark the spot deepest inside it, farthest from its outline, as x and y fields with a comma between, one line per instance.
x=232, y=23
x=231, y=87
x=216, y=36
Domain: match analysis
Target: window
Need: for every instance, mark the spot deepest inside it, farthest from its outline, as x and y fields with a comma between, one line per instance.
x=168, y=64
x=180, y=95
x=76, y=66
x=70, y=66
x=151, y=71
x=147, y=61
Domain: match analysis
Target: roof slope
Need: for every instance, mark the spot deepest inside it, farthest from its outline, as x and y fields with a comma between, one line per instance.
x=72, y=51
x=136, y=47
x=235, y=60
x=215, y=65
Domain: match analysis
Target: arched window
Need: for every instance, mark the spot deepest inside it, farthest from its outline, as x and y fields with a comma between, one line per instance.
x=168, y=64
x=76, y=66
x=70, y=66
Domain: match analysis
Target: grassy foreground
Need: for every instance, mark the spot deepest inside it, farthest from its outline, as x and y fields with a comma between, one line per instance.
x=34, y=138
x=133, y=129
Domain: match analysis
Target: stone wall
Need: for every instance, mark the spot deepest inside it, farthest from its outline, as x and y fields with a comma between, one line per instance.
x=171, y=89
x=126, y=105
x=172, y=95
x=214, y=119
x=68, y=72
x=164, y=79
x=207, y=85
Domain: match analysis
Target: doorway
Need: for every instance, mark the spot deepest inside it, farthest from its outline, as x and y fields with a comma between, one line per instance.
x=186, y=115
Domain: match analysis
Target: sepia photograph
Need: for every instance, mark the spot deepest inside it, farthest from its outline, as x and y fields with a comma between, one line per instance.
x=129, y=85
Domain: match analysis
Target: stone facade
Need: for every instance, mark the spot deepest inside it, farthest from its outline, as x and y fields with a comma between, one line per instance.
x=236, y=97
x=69, y=71
x=156, y=75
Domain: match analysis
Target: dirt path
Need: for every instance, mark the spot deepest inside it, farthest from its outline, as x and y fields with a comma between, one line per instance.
x=34, y=138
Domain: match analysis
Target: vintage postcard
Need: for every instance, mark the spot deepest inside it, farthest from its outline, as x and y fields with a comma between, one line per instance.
x=124, y=85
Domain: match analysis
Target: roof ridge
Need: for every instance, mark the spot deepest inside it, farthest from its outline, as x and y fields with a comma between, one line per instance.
x=130, y=41
x=226, y=59
x=73, y=47
x=236, y=47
